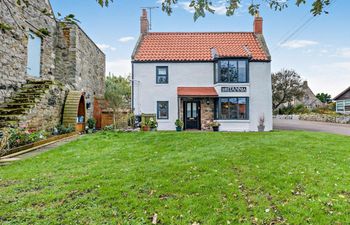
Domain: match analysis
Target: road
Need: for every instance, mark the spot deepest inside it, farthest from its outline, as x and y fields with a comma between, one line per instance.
x=335, y=128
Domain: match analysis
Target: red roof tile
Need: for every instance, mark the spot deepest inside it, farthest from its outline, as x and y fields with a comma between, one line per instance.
x=197, y=91
x=186, y=46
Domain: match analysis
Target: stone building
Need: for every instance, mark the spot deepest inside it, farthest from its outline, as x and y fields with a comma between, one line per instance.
x=308, y=99
x=42, y=59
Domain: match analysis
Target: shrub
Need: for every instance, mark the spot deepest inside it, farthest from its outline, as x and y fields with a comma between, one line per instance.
x=179, y=123
x=108, y=128
x=22, y=136
x=61, y=129
x=290, y=110
x=91, y=123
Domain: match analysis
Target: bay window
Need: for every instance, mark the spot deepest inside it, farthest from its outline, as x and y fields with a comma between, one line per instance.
x=231, y=71
x=232, y=108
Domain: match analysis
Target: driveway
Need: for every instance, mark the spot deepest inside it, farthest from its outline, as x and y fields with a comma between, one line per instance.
x=335, y=128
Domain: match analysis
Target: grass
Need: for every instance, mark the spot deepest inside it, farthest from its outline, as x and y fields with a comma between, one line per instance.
x=184, y=178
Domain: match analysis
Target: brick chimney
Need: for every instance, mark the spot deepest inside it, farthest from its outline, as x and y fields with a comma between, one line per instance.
x=144, y=22
x=258, y=24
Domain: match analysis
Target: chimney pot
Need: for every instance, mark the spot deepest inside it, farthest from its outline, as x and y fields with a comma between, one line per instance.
x=144, y=22
x=258, y=24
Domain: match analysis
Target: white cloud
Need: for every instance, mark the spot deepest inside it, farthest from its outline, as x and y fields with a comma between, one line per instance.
x=119, y=67
x=332, y=78
x=186, y=6
x=219, y=7
x=126, y=39
x=343, y=52
x=105, y=47
x=298, y=44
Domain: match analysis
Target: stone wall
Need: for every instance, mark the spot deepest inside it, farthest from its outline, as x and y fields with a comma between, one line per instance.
x=343, y=119
x=47, y=112
x=67, y=53
x=13, y=48
x=80, y=64
x=207, y=113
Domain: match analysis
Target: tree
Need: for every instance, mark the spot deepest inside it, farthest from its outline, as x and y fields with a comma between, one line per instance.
x=201, y=7
x=118, y=94
x=286, y=86
x=324, y=97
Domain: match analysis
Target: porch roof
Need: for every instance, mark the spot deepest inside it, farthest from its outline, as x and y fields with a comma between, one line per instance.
x=197, y=91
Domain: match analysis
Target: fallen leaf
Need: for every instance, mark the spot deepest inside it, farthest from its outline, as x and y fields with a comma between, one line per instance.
x=154, y=219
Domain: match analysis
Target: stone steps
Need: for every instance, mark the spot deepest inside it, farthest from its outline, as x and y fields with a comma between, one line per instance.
x=22, y=101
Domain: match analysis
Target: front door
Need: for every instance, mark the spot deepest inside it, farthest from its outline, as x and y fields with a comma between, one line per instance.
x=192, y=115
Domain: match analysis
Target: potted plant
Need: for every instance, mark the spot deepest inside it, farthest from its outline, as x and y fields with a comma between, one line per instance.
x=91, y=125
x=179, y=125
x=145, y=126
x=153, y=124
x=215, y=126
x=261, y=126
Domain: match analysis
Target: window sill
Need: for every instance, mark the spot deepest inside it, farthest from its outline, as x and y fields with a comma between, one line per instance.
x=245, y=83
x=232, y=121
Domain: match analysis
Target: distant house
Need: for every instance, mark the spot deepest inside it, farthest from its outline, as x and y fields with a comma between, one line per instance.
x=308, y=99
x=343, y=102
x=200, y=77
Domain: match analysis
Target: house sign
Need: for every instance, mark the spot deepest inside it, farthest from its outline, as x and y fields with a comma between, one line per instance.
x=233, y=89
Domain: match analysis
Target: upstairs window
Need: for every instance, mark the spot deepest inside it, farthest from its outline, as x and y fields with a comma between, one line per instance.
x=231, y=71
x=34, y=55
x=162, y=75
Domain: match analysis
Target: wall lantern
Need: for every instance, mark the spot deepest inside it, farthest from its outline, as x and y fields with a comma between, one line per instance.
x=207, y=101
x=88, y=105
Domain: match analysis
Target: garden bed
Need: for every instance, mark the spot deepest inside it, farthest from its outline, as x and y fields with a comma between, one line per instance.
x=37, y=144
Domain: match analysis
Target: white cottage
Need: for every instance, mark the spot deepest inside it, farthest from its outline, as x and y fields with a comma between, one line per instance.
x=343, y=102
x=200, y=77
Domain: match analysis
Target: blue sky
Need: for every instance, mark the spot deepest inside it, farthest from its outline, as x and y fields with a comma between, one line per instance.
x=319, y=51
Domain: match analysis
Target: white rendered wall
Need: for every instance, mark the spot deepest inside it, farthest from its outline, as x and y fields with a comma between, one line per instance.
x=147, y=92
x=260, y=95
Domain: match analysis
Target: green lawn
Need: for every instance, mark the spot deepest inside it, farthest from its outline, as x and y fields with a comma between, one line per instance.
x=185, y=178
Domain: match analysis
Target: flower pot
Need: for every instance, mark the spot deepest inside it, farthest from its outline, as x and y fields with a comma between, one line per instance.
x=178, y=129
x=153, y=129
x=215, y=129
x=145, y=128
x=90, y=131
x=261, y=128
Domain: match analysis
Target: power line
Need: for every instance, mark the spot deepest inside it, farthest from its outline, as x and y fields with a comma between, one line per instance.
x=299, y=29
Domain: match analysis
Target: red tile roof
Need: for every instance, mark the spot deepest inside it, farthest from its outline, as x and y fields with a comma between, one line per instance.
x=197, y=91
x=186, y=46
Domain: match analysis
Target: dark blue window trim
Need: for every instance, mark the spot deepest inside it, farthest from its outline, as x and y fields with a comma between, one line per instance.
x=158, y=110
x=166, y=76
x=217, y=110
x=217, y=69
